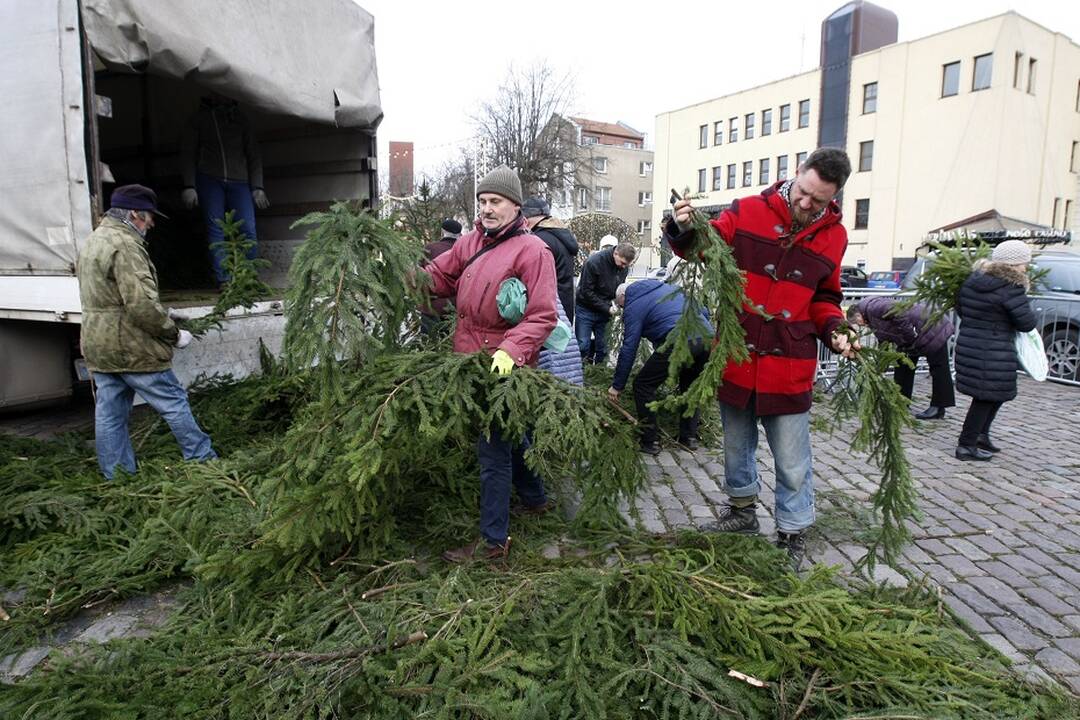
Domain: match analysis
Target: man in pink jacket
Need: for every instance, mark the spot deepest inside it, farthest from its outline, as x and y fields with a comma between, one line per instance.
x=499, y=248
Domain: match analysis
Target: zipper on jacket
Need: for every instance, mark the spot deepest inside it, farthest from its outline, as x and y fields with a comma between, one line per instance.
x=221, y=146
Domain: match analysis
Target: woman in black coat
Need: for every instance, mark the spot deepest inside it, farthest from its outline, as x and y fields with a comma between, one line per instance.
x=993, y=307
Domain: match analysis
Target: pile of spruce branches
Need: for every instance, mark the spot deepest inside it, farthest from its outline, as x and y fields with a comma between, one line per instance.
x=314, y=589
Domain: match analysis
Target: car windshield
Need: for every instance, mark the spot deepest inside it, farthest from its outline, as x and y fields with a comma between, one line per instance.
x=882, y=275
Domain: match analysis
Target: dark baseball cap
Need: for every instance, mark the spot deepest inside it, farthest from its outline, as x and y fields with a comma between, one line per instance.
x=135, y=197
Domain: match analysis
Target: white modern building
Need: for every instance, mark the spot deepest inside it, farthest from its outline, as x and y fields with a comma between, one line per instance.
x=983, y=118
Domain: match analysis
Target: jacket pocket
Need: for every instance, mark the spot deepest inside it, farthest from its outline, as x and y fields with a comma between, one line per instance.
x=799, y=340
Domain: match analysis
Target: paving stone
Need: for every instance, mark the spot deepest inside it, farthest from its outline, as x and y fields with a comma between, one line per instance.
x=960, y=565
x=19, y=665
x=1073, y=682
x=1024, y=565
x=1006, y=574
x=109, y=627
x=1048, y=601
x=966, y=548
x=1057, y=662
x=975, y=599
x=1039, y=619
x=992, y=587
x=963, y=611
x=1070, y=646
x=988, y=544
x=1003, y=646
x=1019, y=634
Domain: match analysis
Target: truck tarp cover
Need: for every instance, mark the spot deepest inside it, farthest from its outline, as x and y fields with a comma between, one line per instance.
x=311, y=60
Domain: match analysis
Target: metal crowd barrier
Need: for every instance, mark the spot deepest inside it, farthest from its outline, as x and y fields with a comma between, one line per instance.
x=1057, y=318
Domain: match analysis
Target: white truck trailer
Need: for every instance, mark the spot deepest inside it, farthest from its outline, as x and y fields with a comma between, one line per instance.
x=96, y=93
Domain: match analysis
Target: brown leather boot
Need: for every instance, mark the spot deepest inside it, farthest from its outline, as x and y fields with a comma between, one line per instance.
x=480, y=550
x=522, y=510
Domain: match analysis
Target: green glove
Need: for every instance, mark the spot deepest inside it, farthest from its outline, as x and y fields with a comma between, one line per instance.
x=501, y=362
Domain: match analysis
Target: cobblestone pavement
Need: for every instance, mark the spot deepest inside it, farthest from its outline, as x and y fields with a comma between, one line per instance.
x=1000, y=538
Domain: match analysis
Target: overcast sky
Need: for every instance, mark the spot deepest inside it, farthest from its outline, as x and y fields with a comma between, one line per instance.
x=630, y=61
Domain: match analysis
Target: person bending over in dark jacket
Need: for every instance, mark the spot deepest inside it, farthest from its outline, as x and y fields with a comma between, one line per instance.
x=561, y=242
x=993, y=307
x=650, y=310
x=602, y=274
x=910, y=334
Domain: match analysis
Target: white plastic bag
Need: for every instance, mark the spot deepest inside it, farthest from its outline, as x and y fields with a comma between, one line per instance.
x=1031, y=354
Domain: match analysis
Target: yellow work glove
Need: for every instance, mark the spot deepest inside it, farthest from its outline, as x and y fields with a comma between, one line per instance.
x=501, y=362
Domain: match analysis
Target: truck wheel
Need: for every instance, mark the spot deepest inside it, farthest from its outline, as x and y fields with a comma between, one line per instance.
x=1063, y=353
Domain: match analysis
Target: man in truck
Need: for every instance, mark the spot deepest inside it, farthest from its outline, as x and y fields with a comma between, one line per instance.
x=128, y=337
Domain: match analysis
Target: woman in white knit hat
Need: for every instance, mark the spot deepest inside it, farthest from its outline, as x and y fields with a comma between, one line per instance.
x=993, y=307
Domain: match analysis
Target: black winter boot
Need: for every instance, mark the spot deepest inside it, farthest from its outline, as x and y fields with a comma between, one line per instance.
x=984, y=443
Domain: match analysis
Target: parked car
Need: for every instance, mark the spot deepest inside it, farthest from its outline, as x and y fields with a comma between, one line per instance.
x=885, y=279
x=852, y=277
x=1056, y=302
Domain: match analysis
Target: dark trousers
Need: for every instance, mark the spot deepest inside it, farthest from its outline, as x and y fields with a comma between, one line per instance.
x=979, y=417
x=502, y=466
x=942, y=393
x=649, y=379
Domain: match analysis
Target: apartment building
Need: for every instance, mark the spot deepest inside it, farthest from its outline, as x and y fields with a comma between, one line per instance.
x=981, y=118
x=617, y=176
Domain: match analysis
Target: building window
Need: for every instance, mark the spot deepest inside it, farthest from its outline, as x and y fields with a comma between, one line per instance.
x=599, y=164
x=644, y=198
x=718, y=132
x=950, y=79
x=866, y=156
x=799, y=160
x=766, y=122
x=1066, y=220
x=748, y=129
x=1053, y=217
x=1072, y=157
x=980, y=77
x=763, y=171
x=701, y=180
x=1077, y=108
x=733, y=130
x=862, y=213
x=1018, y=63
x=781, y=167
x=785, y=118
x=703, y=136
x=747, y=173
x=731, y=170
x=644, y=226
x=589, y=140
x=644, y=168
x=1032, y=65
x=869, y=98
x=804, y=113
x=718, y=177
x=583, y=199
x=603, y=199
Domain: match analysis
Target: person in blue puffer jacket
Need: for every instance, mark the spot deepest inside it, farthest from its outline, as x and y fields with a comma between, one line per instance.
x=565, y=365
x=651, y=308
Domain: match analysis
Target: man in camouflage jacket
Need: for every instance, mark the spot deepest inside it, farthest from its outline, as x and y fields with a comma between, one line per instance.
x=128, y=337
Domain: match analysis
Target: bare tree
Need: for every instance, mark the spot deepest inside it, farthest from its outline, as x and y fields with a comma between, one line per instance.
x=525, y=128
x=455, y=184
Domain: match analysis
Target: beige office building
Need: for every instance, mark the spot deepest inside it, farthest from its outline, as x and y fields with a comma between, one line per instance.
x=981, y=118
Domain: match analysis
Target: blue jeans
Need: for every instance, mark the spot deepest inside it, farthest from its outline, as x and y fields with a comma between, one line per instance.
x=163, y=392
x=587, y=324
x=502, y=465
x=216, y=197
x=789, y=440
